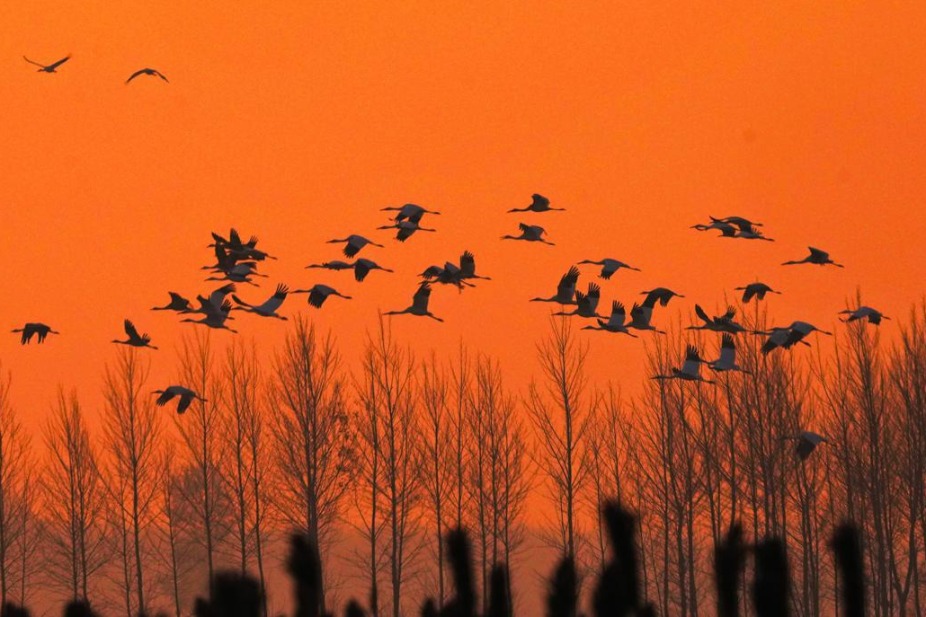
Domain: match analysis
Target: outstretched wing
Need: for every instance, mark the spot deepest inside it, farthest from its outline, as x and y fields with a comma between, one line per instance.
x=700, y=313
x=59, y=62
x=165, y=397
x=130, y=329
x=133, y=76
x=421, y=297
x=814, y=252
x=618, y=314
x=161, y=75
x=33, y=62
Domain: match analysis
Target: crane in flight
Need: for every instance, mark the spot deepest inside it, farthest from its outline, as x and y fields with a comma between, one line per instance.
x=354, y=244
x=640, y=317
x=691, y=368
x=268, y=308
x=720, y=323
x=406, y=229
x=363, y=266
x=874, y=316
x=530, y=233
x=186, y=395
x=755, y=290
x=566, y=290
x=586, y=303
x=539, y=203
x=147, y=71
x=319, y=293
x=134, y=339
x=409, y=212
x=48, y=68
x=419, y=306
x=36, y=329
x=177, y=303
x=468, y=267
x=727, y=360
x=817, y=257
x=335, y=265
x=215, y=314
x=616, y=323
x=661, y=295
x=807, y=442
x=608, y=266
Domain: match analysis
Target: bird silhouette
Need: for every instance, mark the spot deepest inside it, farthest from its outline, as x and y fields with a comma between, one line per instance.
x=539, y=203
x=354, y=244
x=134, y=339
x=609, y=266
x=419, y=306
x=186, y=395
x=405, y=229
x=177, y=303
x=807, y=442
x=817, y=256
x=36, y=329
x=410, y=212
x=616, y=323
x=727, y=359
x=661, y=295
x=529, y=233
x=755, y=290
x=737, y=221
x=566, y=290
x=319, y=293
x=269, y=307
x=641, y=316
x=48, y=68
x=691, y=368
x=362, y=267
x=468, y=267
x=332, y=265
x=720, y=323
x=586, y=303
x=151, y=72
x=215, y=315
x=789, y=336
x=873, y=316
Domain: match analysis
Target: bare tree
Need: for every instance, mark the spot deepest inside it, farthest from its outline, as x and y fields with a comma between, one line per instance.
x=389, y=395
x=14, y=465
x=74, y=500
x=132, y=428
x=559, y=412
x=200, y=428
x=310, y=425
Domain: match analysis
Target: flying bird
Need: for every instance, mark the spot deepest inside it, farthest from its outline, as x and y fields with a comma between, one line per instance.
x=215, y=315
x=807, y=442
x=410, y=212
x=660, y=294
x=691, y=368
x=362, y=267
x=727, y=359
x=720, y=323
x=616, y=323
x=419, y=306
x=817, y=256
x=640, y=317
x=151, y=72
x=468, y=267
x=186, y=395
x=737, y=221
x=789, y=336
x=874, y=316
x=608, y=266
x=134, y=339
x=36, y=329
x=319, y=293
x=333, y=265
x=755, y=290
x=268, y=308
x=586, y=303
x=354, y=244
x=48, y=68
x=566, y=290
x=530, y=233
x=539, y=203
x=177, y=303
x=405, y=229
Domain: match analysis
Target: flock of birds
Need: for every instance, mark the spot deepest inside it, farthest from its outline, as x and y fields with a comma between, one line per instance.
x=236, y=262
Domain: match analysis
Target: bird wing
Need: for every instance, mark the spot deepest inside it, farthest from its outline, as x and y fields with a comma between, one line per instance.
x=468, y=263
x=729, y=315
x=166, y=395
x=241, y=302
x=540, y=201
x=276, y=300
x=818, y=253
x=727, y=351
x=361, y=269
x=618, y=314
x=749, y=293
x=700, y=313
x=59, y=62
x=175, y=297
x=161, y=75
x=185, y=399
x=33, y=62
x=130, y=329
x=133, y=76
x=421, y=297
x=524, y=227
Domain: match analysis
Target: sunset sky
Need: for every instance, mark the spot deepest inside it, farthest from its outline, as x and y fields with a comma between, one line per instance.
x=298, y=121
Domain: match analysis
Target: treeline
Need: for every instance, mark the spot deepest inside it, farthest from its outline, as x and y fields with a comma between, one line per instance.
x=138, y=517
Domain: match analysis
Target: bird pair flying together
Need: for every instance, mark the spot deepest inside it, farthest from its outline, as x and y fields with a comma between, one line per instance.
x=53, y=68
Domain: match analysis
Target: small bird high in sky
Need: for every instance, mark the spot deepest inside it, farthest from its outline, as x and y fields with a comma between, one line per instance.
x=48, y=68
x=150, y=72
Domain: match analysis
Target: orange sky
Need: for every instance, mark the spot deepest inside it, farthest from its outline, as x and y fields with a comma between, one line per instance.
x=297, y=121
